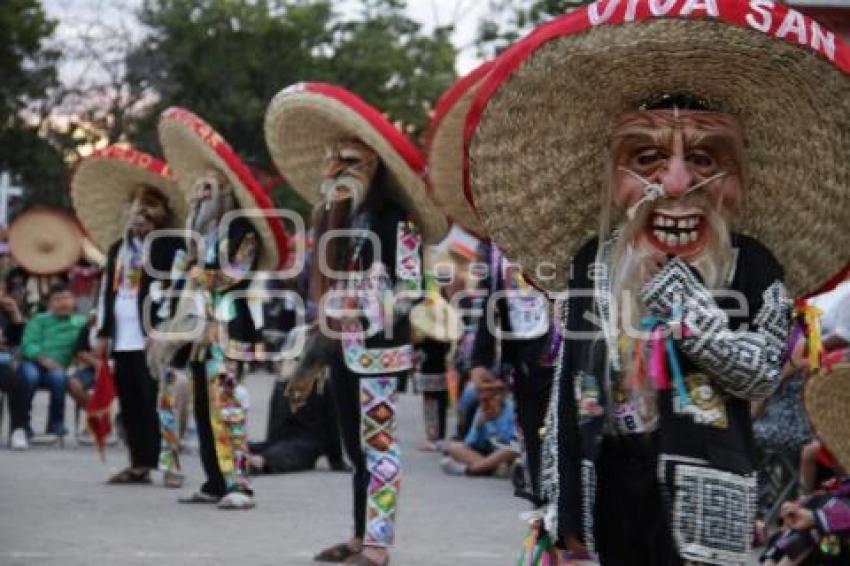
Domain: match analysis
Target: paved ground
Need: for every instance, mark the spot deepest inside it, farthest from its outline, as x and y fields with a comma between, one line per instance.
x=55, y=510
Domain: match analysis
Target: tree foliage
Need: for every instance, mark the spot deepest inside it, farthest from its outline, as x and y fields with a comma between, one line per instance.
x=509, y=20
x=226, y=59
x=28, y=71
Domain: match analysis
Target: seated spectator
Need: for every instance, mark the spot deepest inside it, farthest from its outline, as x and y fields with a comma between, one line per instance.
x=816, y=528
x=490, y=443
x=48, y=346
x=296, y=440
x=15, y=388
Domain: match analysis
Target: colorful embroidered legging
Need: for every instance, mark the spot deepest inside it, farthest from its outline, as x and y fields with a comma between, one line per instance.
x=366, y=408
x=220, y=418
x=169, y=421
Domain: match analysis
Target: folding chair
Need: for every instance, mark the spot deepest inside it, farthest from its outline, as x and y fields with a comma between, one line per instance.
x=779, y=481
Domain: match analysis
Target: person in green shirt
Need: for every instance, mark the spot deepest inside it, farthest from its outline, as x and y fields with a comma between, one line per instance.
x=48, y=346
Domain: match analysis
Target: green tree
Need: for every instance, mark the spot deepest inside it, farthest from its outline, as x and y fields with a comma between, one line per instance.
x=226, y=59
x=509, y=20
x=28, y=71
x=385, y=58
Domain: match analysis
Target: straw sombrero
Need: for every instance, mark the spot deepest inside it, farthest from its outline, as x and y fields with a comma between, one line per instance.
x=104, y=183
x=303, y=119
x=191, y=147
x=537, y=132
x=435, y=318
x=444, y=148
x=92, y=253
x=827, y=401
x=45, y=241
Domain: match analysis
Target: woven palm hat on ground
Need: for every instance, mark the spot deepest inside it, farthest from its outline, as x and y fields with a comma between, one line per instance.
x=537, y=134
x=827, y=401
x=435, y=318
x=304, y=119
x=45, y=241
x=192, y=147
x=104, y=184
x=444, y=149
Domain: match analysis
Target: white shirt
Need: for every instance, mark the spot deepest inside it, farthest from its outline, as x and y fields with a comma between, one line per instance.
x=128, y=328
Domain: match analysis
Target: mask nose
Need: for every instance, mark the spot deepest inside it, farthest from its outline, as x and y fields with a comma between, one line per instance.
x=676, y=177
x=333, y=170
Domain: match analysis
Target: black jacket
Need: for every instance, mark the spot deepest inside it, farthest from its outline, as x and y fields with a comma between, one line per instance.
x=728, y=448
x=161, y=256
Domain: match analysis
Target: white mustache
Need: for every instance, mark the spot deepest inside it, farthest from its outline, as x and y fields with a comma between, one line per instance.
x=353, y=184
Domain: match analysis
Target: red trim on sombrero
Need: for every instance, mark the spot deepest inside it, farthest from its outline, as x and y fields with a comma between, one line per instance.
x=770, y=18
x=213, y=139
x=135, y=157
x=403, y=146
x=450, y=97
x=444, y=105
x=830, y=283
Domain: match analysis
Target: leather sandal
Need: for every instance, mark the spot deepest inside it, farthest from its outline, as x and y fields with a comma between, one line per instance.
x=336, y=553
x=199, y=497
x=129, y=476
x=172, y=480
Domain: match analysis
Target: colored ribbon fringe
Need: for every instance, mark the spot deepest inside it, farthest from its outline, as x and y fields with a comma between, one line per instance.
x=537, y=549
x=808, y=319
x=663, y=359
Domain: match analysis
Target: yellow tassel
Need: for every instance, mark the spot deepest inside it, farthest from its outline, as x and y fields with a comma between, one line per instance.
x=814, y=342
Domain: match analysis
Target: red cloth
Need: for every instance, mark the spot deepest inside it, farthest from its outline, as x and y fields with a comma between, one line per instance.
x=825, y=458
x=97, y=411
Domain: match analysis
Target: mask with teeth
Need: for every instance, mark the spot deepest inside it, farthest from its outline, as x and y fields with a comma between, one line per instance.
x=673, y=170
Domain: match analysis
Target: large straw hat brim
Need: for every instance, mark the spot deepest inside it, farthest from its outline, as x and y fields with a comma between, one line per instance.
x=92, y=254
x=192, y=147
x=45, y=241
x=827, y=401
x=444, y=148
x=103, y=186
x=538, y=133
x=304, y=119
x=435, y=318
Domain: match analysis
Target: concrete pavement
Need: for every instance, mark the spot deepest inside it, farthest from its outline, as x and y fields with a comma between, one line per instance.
x=56, y=511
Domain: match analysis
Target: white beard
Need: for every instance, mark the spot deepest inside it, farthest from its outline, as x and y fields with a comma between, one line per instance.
x=628, y=260
x=355, y=187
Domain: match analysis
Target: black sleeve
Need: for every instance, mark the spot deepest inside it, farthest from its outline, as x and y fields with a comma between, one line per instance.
x=484, y=346
x=569, y=451
x=105, y=330
x=83, y=344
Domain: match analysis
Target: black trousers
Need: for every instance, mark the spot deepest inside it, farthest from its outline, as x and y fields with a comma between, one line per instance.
x=137, y=395
x=346, y=394
x=288, y=455
x=17, y=392
x=531, y=394
x=630, y=522
x=214, y=484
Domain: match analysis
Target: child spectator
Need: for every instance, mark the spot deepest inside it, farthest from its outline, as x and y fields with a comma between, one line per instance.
x=48, y=346
x=491, y=440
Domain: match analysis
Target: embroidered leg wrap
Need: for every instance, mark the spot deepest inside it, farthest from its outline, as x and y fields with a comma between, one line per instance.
x=169, y=450
x=228, y=417
x=377, y=412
